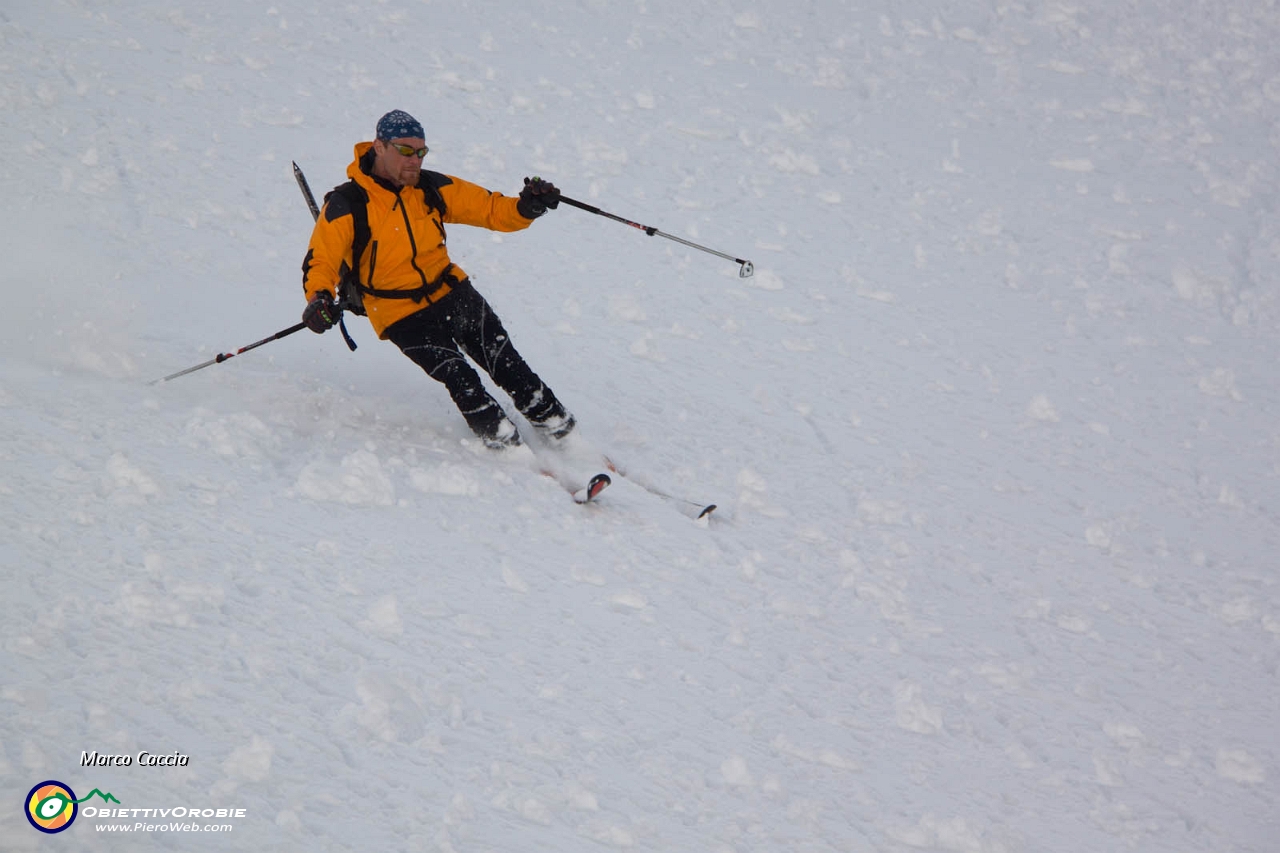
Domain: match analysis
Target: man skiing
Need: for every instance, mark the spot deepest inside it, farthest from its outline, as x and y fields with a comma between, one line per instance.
x=380, y=240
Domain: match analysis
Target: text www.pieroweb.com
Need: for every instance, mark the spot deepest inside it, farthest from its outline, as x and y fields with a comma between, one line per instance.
x=183, y=823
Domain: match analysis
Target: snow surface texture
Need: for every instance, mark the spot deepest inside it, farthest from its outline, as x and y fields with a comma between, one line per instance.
x=994, y=430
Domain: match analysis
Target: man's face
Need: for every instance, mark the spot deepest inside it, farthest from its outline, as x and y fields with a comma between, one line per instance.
x=401, y=168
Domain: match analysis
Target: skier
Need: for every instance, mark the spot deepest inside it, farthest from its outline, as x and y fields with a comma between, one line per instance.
x=380, y=243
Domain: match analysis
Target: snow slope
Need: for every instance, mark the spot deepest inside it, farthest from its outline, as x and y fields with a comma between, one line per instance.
x=994, y=430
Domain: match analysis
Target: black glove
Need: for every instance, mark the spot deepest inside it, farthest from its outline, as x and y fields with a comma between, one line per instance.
x=321, y=313
x=537, y=197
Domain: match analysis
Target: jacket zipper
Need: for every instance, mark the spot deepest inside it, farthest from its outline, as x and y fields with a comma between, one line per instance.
x=413, y=245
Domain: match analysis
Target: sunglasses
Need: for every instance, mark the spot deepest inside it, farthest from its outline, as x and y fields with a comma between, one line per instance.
x=409, y=150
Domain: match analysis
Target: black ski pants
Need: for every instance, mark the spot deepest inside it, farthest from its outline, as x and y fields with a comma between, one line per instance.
x=439, y=337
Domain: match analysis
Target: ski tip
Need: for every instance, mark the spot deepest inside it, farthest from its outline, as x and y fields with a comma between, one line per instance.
x=706, y=511
x=597, y=485
x=593, y=489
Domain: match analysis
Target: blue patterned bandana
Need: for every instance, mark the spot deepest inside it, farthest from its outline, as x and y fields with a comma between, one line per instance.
x=398, y=124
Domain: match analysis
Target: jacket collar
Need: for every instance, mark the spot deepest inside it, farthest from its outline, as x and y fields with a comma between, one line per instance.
x=361, y=170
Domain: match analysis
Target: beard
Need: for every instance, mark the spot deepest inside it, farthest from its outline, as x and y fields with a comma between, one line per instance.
x=409, y=177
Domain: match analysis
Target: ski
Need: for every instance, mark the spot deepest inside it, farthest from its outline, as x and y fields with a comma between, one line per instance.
x=698, y=511
x=694, y=509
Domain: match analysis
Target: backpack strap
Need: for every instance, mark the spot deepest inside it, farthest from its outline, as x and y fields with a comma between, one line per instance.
x=350, y=199
x=430, y=183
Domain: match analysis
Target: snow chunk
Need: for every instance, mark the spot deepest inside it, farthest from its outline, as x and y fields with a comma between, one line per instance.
x=1238, y=610
x=251, y=762
x=1187, y=284
x=388, y=711
x=629, y=601
x=580, y=798
x=139, y=607
x=1078, y=165
x=626, y=308
x=735, y=772
x=1040, y=409
x=131, y=482
x=512, y=580
x=239, y=435
x=445, y=479
x=825, y=757
x=1097, y=536
x=1075, y=624
x=830, y=74
x=359, y=481
x=876, y=295
x=752, y=489
x=790, y=162
x=1125, y=734
x=94, y=358
x=608, y=834
x=640, y=349
x=534, y=810
x=1105, y=774
x=765, y=280
x=384, y=619
x=1220, y=383
x=594, y=152
x=890, y=513
x=934, y=834
x=912, y=713
x=1062, y=67
x=1239, y=766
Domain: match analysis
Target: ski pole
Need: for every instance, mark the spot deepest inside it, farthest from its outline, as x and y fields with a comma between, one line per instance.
x=226, y=355
x=283, y=333
x=745, y=270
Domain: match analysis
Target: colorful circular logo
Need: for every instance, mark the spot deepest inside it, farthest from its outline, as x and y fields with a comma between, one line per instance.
x=51, y=806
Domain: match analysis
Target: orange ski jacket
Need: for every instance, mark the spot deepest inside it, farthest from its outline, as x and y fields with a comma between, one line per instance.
x=406, y=250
